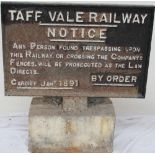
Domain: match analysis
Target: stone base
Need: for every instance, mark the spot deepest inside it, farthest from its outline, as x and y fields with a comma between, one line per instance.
x=53, y=129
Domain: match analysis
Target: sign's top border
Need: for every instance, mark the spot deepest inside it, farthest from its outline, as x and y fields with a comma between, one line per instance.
x=78, y=4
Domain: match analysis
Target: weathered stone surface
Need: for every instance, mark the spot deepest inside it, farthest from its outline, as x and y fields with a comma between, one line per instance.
x=74, y=103
x=51, y=129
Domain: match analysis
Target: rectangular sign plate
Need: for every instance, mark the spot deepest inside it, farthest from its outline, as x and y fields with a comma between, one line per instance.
x=76, y=50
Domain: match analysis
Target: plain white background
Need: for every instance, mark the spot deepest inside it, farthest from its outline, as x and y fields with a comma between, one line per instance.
x=122, y=106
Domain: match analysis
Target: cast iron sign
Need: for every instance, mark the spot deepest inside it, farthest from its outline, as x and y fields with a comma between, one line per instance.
x=76, y=50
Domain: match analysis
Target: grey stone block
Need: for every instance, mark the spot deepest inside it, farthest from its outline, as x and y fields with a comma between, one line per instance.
x=53, y=129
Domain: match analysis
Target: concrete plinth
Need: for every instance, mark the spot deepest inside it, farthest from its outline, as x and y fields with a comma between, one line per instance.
x=57, y=128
